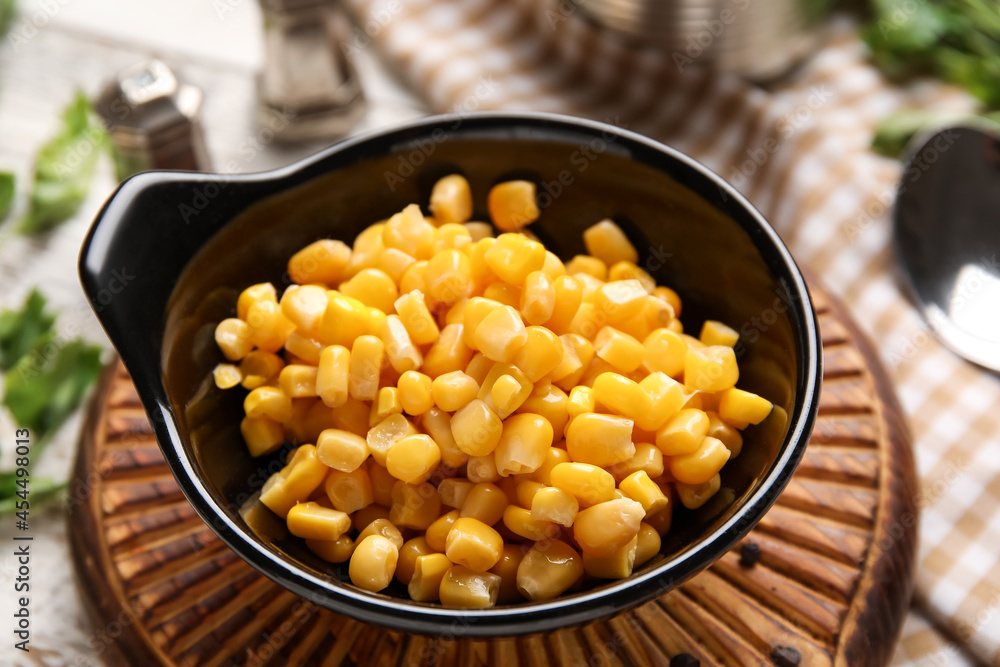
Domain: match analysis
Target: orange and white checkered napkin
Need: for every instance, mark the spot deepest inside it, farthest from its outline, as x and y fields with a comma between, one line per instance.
x=800, y=152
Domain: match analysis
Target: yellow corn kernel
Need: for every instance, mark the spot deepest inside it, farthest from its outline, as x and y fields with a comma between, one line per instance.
x=414, y=505
x=513, y=256
x=647, y=458
x=501, y=334
x=455, y=491
x=382, y=484
x=456, y=312
x=366, y=249
x=711, y=368
x=626, y=270
x=451, y=200
x=479, y=367
x=416, y=318
x=585, y=264
x=323, y=262
x=485, y=502
x=548, y=570
x=366, y=515
x=413, y=458
x=550, y=402
x=409, y=553
x=410, y=232
x=479, y=230
x=268, y=326
x=254, y=294
x=504, y=389
x=372, y=287
x=453, y=391
x=621, y=396
x=525, y=440
x=386, y=403
x=616, y=566
x=259, y=368
x=714, y=332
x=693, y=496
x=670, y=296
x=509, y=486
x=233, y=338
x=683, y=433
x=447, y=275
x=413, y=278
x=553, y=457
x=344, y=319
x=604, y=528
x=384, y=435
x=482, y=469
x=482, y=274
x=589, y=484
x=306, y=348
x=666, y=396
x=618, y=349
x=520, y=522
x=437, y=532
x=349, y=491
x=341, y=450
x=437, y=424
x=600, y=440
x=525, y=490
x=415, y=393
x=428, y=572
x=657, y=314
x=298, y=381
x=462, y=587
x=473, y=544
x=452, y=236
x=572, y=365
x=475, y=312
x=588, y=321
x=506, y=569
x=300, y=477
x=332, y=551
x=581, y=399
x=333, y=376
x=568, y=295
x=449, y=352
x=737, y=406
x=662, y=520
x=315, y=522
x=226, y=376
x=608, y=242
x=648, y=544
x=702, y=464
x=621, y=300
x=726, y=433
x=304, y=306
x=268, y=402
x=512, y=205
x=402, y=354
x=373, y=563
x=385, y=528
x=365, y=367
x=641, y=488
x=476, y=428
x=394, y=263
x=262, y=435
x=664, y=351
x=692, y=342
x=541, y=353
x=538, y=298
x=504, y=294
x=554, y=505
x=295, y=428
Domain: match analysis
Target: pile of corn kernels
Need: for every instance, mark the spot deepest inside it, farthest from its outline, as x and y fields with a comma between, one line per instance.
x=473, y=417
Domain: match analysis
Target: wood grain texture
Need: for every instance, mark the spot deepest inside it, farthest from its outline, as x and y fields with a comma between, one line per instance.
x=833, y=581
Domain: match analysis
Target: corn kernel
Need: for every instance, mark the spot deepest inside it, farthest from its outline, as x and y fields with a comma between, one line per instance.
x=233, y=338
x=486, y=502
x=428, y=572
x=577, y=355
x=473, y=544
x=541, y=353
x=453, y=391
x=554, y=505
x=548, y=570
x=588, y=321
x=666, y=396
x=437, y=424
x=454, y=492
x=626, y=270
x=373, y=563
x=553, y=457
x=506, y=569
x=513, y=256
x=604, y=528
x=581, y=399
x=475, y=312
x=504, y=294
x=268, y=326
x=482, y=469
x=585, y=264
x=366, y=515
x=342, y=450
x=386, y=403
x=413, y=278
x=268, y=402
x=366, y=249
x=335, y=551
x=259, y=368
x=254, y=294
x=616, y=566
x=693, y=496
x=333, y=376
x=394, y=263
x=737, y=405
x=589, y=484
x=226, y=376
x=384, y=435
x=519, y=521
x=449, y=352
x=315, y=522
x=621, y=396
x=456, y=312
x=568, y=297
x=479, y=367
x=538, y=298
x=600, y=440
x=415, y=393
x=447, y=275
x=462, y=587
x=726, y=433
x=501, y=334
x=414, y=505
x=641, y=488
x=413, y=458
x=504, y=389
x=452, y=236
x=662, y=520
x=410, y=232
x=306, y=348
x=437, y=532
x=683, y=433
x=550, y=402
x=714, y=332
x=702, y=464
x=323, y=261
x=608, y=242
x=304, y=306
x=523, y=444
x=409, y=553
x=385, y=528
x=262, y=435
x=712, y=368
x=344, y=319
x=298, y=381
x=618, y=349
x=525, y=490
x=647, y=544
x=476, y=428
x=479, y=230
x=372, y=287
x=349, y=491
x=647, y=458
x=664, y=351
x=512, y=205
x=451, y=200
x=620, y=300
x=402, y=354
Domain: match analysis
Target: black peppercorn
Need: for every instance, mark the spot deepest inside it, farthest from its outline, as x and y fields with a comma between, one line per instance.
x=749, y=554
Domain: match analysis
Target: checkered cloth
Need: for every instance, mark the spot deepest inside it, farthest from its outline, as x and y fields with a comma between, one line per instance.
x=800, y=152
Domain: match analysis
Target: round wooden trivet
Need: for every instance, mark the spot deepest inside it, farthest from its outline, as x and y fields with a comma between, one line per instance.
x=832, y=584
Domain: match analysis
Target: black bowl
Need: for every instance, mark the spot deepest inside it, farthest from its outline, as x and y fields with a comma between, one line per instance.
x=169, y=253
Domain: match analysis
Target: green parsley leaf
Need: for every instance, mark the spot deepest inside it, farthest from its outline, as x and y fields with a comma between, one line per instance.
x=6, y=193
x=8, y=9
x=21, y=330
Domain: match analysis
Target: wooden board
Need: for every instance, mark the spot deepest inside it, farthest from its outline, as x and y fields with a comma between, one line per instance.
x=833, y=582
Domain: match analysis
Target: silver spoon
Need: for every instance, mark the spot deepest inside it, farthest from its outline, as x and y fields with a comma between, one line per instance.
x=947, y=228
